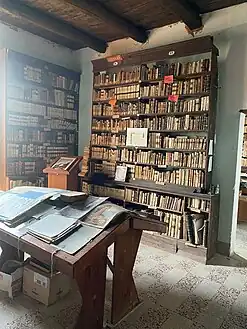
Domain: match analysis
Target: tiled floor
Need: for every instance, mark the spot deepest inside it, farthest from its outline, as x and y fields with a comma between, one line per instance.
x=177, y=293
x=241, y=240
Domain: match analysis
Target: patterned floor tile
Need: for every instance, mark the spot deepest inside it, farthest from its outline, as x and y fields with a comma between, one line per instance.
x=236, y=281
x=192, y=307
x=27, y=321
x=235, y=321
x=240, y=304
x=68, y=316
x=207, y=289
x=176, y=321
x=219, y=275
x=10, y=311
x=173, y=299
x=153, y=318
x=189, y=282
x=226, y=297
x=212, y=316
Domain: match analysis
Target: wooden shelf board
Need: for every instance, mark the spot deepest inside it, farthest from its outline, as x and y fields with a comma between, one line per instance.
x=40, y=103
x=150, y=148
x=114, y=116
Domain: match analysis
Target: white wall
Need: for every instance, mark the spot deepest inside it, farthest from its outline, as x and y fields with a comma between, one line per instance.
x=27, y=43
x=228, y=26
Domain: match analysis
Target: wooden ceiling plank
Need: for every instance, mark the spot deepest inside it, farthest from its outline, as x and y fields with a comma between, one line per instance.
x=112, y=18
x=49, y=23
x=188, y=14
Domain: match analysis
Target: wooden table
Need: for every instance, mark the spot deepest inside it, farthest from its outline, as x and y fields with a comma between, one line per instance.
x=88, y=267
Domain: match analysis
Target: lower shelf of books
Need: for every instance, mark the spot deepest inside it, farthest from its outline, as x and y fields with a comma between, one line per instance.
x=188, y=223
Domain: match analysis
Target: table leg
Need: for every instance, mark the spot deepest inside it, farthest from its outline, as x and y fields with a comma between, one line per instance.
x=124, y=294
x=9, y=253
x=91, y=282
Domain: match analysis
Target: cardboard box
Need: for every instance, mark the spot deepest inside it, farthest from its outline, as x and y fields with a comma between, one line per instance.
x=242, y=209
x=12, y=283
x=41, y=286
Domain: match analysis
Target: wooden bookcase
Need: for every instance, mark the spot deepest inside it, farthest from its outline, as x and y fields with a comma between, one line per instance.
x=172, y=91
x=39, y=107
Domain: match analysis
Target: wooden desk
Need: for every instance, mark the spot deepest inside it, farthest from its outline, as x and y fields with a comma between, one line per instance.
x=88, y=268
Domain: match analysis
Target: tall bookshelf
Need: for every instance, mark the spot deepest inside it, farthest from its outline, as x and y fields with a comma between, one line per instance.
x=39, y=104
x=171, y=91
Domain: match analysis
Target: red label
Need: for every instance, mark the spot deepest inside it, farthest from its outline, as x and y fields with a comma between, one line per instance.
x=173, y=98
x=113, y=101
x=117, y=58
x=168, y=79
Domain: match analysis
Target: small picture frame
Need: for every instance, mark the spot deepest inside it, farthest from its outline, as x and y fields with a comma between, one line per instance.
x=64, y=163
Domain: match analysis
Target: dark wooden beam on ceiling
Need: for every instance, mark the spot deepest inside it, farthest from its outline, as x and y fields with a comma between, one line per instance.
x=187, y=13
x=48, y=22
x=112, y=18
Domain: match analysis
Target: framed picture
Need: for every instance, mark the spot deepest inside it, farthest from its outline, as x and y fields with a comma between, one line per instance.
x=137, y=137
x=64, y=163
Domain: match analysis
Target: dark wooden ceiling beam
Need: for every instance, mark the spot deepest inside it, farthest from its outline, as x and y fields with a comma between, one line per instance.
x=48, y=22
x=107, y=15
x=187, y=13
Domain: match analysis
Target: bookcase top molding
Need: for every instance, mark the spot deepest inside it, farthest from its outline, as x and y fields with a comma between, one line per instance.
x=174, y=50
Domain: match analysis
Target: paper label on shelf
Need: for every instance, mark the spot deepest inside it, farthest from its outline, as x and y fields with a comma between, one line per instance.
x=173, y=98
x=210, y=163
x=211, y=147
x=115, y=116
x=112, y=59
x=40, y=280
x=168, y=79
x=112, y=101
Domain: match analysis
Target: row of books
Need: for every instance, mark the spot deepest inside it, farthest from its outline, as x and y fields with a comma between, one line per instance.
x=199, y=122
x=107, y=168
x=198, y=205
x=21, y=182
x=40, y=95
x=37, y=75
x=60, y=81
x=155, y=140
x=176, y=159
x=122, y=76
x=35, y=151
x=187, y=87
x=152, y=71
x=156, y=106
x=185, y=177
x=54, y=112
x=26, y=108
x=26, y=135
x=178, y=142
x=153, y=106
x=32, y=121
x=24, y=168
x=108, y=191
x=173, y=224
x=154, y=200
x=108, y=139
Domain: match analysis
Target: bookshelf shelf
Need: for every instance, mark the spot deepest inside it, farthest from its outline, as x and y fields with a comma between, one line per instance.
x=155, y=149
x=120, y=117
x=40, y=103
x=135, y=93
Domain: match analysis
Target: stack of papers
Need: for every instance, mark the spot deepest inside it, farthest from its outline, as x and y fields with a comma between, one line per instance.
x=53, y=227
x=16, y=203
